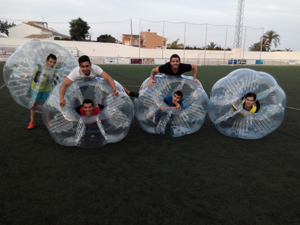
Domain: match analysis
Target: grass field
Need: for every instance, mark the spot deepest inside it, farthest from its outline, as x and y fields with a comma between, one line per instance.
x=202, y=178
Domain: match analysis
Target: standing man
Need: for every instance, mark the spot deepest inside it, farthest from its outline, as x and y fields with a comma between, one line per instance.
x=174, y=67
x=85, y=69
x=44, y=88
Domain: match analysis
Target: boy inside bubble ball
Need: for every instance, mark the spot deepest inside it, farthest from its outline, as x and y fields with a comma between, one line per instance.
x=88, y=109
x=41, y=85
x=173, y=102
x=248, y=101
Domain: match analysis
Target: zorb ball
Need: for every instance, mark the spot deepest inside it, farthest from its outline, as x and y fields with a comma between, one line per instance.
x=156, y=117
x=226, y=104
x=27, y=77
x=67, y=127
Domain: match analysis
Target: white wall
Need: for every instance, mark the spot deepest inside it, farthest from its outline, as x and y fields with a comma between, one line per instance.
x=22, y=30
x=98, y=49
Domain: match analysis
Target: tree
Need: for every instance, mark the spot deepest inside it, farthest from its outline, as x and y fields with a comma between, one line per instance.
x=193, y=48
x=79, y=30
x=107, y=38
x=175, y=45
x=4, y=25
x=269, y=38
x=213, y=46
x=256, y=47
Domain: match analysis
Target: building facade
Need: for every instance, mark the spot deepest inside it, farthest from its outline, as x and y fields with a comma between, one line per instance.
x=33, y=29
x=147, y=40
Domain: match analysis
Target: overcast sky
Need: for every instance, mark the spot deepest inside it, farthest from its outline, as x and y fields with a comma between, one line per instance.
x=102, y=16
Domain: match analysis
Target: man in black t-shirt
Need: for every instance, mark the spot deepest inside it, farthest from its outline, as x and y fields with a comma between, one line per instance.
x=174, y=67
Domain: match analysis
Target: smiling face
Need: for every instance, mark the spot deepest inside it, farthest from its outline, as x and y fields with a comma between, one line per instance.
x=175, y=63
x=176, y=98
x=249, y=102
x=50, y=63
x=85, y=68
x=88, y=109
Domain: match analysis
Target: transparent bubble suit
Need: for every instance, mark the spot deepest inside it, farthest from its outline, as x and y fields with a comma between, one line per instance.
x=30, y=58
x=173, y=122
x=241, y=123
x=110, y=125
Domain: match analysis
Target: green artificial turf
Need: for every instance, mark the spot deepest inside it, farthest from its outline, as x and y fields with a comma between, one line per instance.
x=202, y=178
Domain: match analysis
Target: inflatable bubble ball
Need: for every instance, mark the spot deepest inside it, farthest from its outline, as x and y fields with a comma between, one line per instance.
x=153, y=111
x=73, y=125
x=29, y=75
x=236, y=114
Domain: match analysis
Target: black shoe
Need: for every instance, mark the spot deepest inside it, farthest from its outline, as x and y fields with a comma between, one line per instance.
x=134, y=94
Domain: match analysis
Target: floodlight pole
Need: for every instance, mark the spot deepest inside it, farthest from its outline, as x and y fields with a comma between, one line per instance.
x=239, y=24
x=225, y=43
x=261, y=42
x=244, y=41
x=131, y=29
x=184, y=41
x=139, y=38
x=162, y=41
x=205, y=44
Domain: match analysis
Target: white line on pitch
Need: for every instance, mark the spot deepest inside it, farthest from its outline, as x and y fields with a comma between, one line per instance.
x=2, y=86
x=293, y=108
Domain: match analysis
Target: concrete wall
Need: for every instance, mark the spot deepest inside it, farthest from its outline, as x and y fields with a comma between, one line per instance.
x=102, y=50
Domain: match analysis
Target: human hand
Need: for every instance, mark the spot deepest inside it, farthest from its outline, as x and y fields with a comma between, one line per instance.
x=177, y=105
x=150, y=83
x=197, y=81
x=116, y=93
x=62, y=103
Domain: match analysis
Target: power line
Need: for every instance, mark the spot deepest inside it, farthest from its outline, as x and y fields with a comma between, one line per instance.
x=122, y=21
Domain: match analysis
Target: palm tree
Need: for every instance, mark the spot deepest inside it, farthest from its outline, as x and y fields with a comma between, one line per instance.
x=269, y=38
x=256, y=47
x=175, y=45
x=212, y=46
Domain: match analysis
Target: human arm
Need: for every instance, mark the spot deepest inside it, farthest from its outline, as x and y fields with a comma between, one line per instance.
x=194, y=68
x=176, y=107
x=108, y=78
x=173, y=102
x=62, y=90
x=153, y=72
x=37, y=73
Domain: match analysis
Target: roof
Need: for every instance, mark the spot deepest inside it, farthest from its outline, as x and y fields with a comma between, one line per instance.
x=40, y=36
x=129, y=35
x=32, y=23
x=148, y=32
